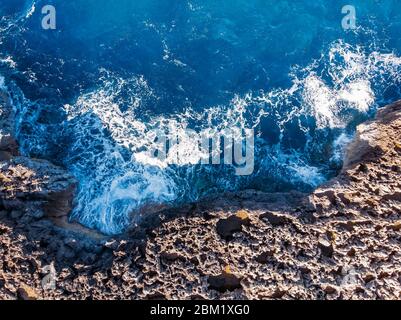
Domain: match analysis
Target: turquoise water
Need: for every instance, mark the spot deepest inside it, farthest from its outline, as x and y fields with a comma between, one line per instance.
x=88, y=93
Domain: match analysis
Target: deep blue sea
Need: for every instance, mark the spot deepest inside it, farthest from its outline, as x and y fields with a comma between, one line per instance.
x=87, y=93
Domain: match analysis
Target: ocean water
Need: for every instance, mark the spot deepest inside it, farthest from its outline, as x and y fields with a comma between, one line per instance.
x=87, y=94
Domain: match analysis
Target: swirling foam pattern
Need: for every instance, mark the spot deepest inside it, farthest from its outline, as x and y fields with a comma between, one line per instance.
x=88, y=94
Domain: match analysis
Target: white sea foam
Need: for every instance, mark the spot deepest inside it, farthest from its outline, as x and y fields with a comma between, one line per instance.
x=30, y=11
x=348, y=84
x=112, y=183
x=116, y=175
x=19, y=19
x=2, y=83
x=8, y=61
x=124, y=177
x=339, y=146
x=109, y=134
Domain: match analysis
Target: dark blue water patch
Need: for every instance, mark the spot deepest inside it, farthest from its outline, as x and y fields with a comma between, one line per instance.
x=225, y=48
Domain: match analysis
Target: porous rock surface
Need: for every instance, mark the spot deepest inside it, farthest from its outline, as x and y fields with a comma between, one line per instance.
x=343, y=241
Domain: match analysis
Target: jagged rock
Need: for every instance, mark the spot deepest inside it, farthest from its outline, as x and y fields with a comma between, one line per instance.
x=27, y=293
x=396, y=226
x=363, y=168
x=369, y=277
x=155, y=296
x=396, y=196
x=274, y=219
x=224, y=281
x=27, y=182
x=351, y=252
x=278, y=293
x=226, y=227
x=329, y=194
x=170, y=256
x=30, y=182
x=329, y=289
x=345, y=197
x=326, y=247
x=264, y=256
x=371, y=140
x=307, y=216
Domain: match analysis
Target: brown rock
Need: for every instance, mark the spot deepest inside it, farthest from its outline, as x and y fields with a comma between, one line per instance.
x=396, y=226
x=226, y=227
x=264, y=256
x=226, y=281
x=369, y=277
x=396, y=196
x=274, y=218
x=329, y=289
x=170, y=256
x=278, y=293
x=351, y=252
x=308, y=217
x=329, y=194
x=27, y=293
x=345, y=197
x=39, y=181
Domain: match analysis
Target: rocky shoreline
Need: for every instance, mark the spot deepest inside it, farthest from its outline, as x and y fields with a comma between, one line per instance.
x=343, y=241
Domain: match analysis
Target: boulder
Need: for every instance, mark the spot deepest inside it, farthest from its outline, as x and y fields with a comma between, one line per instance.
x=27, y=293
x=274, y=219
x=226, y=227
x=226, y=281
x=326, y=247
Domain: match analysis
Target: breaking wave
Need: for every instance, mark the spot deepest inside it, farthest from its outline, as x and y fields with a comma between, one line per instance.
x=302, y=127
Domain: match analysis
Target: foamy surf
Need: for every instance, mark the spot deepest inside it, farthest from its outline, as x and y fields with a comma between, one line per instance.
x=117, y=179
x=99, y=125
